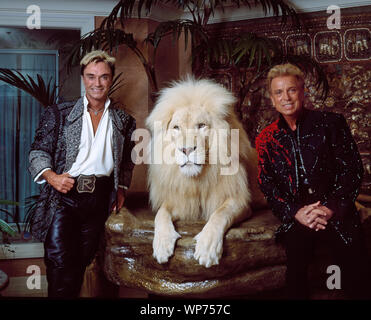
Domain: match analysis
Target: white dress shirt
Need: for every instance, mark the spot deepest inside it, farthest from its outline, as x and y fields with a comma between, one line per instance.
x=95, y=154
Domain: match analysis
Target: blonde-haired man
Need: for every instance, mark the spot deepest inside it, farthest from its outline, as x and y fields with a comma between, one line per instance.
x=310, y=172
x=82, y=157
x=286, y=69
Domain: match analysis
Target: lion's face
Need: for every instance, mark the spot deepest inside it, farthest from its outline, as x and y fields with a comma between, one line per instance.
x=189, y=135
x=193, y=129
x=199, y=150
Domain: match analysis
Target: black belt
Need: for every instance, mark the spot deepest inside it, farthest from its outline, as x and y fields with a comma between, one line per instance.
x=88, y=183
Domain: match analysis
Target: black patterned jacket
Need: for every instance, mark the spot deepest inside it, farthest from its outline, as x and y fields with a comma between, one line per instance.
x=331, y=160
x=56, y=146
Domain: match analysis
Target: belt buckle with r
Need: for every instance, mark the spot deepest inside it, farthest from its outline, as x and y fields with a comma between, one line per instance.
x=86, y=184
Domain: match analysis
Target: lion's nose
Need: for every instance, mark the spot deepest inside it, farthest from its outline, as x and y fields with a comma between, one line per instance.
x=187, y=151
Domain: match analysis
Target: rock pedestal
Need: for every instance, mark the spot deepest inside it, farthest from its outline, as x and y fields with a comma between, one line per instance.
x=252, y=262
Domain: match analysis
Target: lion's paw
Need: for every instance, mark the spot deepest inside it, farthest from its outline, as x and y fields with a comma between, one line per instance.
x=163, y=245
x=209, y=248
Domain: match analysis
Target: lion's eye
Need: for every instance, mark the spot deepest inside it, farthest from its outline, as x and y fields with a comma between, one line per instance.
x=201, y=125
x=176, y=127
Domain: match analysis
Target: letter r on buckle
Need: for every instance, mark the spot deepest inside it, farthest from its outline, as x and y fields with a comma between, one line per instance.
x=86, y=183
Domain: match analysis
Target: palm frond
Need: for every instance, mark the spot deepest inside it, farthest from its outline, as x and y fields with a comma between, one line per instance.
x=9, y=202
x=105, y=39
x=252, y=51
x=108, y=40
x=310, y=66
x=30, y=204
x=307, y=64
x=215, y=51
x=44, y=93
x=276, y=7
x=6, y=228
x=245, y=50
x=201, y=10
x=125, y=9
x=176, y=28
x=117, y=83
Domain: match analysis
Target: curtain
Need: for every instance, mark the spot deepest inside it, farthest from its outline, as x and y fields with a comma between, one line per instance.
x=21, y=119
x=8, y=125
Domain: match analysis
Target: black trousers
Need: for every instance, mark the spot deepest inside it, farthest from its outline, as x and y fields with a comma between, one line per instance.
x=73, y=238
x=352, y=260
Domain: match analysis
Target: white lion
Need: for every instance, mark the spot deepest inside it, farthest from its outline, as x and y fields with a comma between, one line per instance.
x=194, y=181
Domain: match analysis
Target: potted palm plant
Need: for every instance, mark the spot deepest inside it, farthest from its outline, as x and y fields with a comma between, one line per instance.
x=111, y=34
x=5, y=228
x=6, y=231
x=245, y=50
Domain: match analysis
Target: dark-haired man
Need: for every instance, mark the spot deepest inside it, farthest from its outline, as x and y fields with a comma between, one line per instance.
x=82, y=151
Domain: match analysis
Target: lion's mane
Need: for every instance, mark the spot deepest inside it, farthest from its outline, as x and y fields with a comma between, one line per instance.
x=191, y=198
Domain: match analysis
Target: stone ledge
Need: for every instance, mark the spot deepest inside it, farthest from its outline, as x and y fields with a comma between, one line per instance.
x=128, y=260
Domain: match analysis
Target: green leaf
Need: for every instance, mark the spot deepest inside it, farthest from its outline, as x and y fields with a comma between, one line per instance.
x=4, y=227
x=116, y=84
x=106, y=39
x=9, y=202
x=175, y=28
x=36, y=89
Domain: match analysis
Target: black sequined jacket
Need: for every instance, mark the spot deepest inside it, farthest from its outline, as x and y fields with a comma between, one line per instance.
x=56, y=146
x=332, y=163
